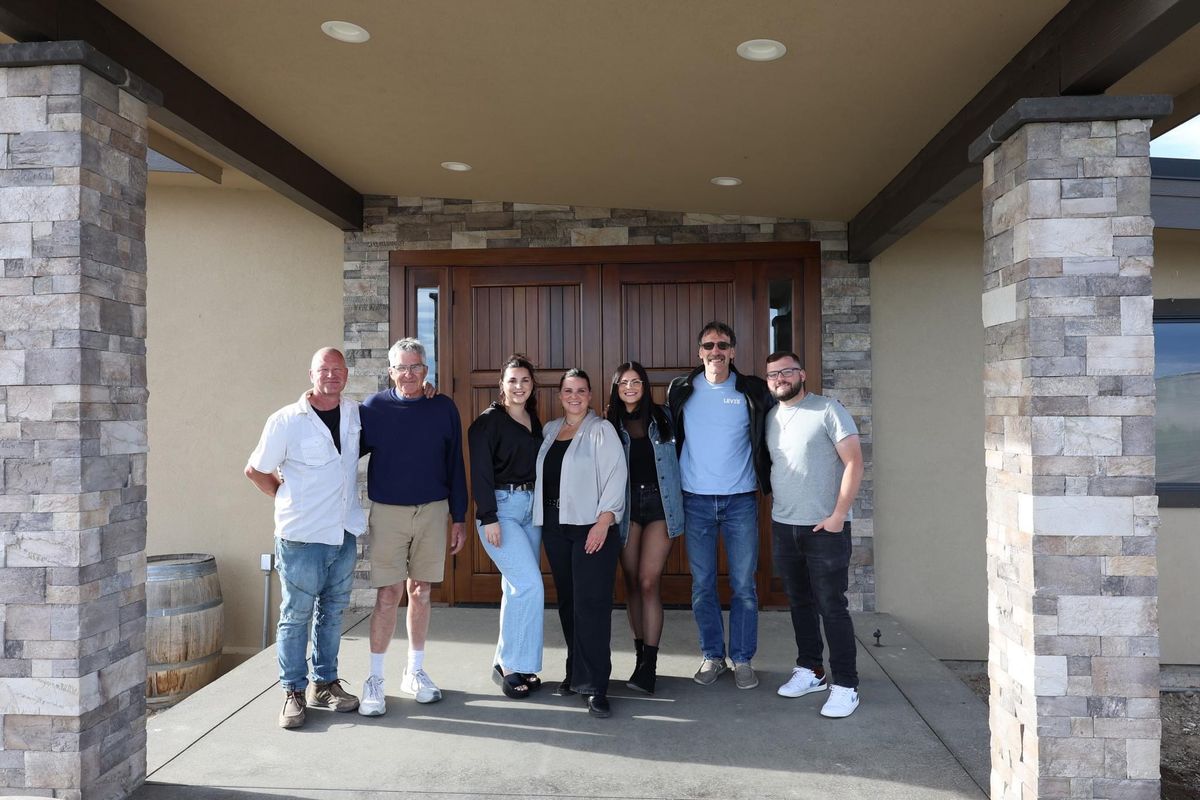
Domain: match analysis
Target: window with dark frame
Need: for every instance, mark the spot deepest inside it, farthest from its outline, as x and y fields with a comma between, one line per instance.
x=1177, y=415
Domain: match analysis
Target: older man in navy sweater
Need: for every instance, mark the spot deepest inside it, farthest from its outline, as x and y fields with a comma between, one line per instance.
x=415, y=481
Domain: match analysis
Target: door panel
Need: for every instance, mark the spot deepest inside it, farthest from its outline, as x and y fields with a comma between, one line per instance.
x=550, y=314
x=652, y=315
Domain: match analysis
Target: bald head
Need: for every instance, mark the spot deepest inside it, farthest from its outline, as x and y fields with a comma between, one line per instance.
x=326, y=352
x=328, y=375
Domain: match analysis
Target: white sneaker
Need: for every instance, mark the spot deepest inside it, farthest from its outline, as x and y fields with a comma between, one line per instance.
x=420, y=686
x=841, y=703
x=803, y=681
x=372, y=703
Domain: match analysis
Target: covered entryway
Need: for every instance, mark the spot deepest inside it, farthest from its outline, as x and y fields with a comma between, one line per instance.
x=595, y=307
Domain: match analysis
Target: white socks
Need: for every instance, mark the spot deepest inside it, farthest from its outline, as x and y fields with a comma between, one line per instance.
x=416, y=661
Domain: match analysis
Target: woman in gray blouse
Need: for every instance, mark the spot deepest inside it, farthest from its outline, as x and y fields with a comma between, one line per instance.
x=578, y=500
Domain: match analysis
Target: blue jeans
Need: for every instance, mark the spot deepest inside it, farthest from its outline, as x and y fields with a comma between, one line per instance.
x=522, y=600
x=315, y=581
x=736, y=517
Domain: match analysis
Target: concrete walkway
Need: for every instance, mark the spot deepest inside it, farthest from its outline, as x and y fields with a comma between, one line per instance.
x=919, y=732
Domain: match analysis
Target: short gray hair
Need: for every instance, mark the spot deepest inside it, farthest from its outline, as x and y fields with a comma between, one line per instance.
x=407, y=345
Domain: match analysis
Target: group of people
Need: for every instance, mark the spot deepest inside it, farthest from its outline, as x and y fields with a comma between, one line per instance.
x=592, y=491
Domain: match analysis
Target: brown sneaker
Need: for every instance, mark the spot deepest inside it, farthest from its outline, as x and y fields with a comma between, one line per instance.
x=292, y=715
x=330, y=695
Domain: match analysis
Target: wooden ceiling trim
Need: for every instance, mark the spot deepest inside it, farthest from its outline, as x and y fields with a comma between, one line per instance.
x=191, y=107
x=1084, y=49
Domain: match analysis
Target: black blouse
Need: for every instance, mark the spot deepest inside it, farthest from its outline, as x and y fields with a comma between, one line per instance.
x=502, y=452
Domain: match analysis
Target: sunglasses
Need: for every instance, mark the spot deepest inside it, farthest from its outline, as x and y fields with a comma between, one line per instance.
x=718, y=345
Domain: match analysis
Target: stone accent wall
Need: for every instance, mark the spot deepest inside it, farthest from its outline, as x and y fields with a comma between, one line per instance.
x=72, y=433
x=416, y=223
x=1072, y=571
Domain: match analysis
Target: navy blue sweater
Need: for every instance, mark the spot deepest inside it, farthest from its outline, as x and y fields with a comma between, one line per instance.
x=416, y=451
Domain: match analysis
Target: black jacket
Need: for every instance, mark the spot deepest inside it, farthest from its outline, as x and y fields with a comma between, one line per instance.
x=759, y=401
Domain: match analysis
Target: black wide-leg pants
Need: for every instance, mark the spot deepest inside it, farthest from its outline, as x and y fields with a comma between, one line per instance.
x=584, y=583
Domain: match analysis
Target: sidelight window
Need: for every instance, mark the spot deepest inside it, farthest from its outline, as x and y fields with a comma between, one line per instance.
x=1177, y=381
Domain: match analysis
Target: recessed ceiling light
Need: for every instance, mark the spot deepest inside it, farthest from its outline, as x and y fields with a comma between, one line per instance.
x=456, y=166
x=761, y=50
x=345, y=31
x=726, y=180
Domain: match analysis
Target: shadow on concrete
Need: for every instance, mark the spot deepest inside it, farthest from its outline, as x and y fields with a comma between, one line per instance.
x=919, y=731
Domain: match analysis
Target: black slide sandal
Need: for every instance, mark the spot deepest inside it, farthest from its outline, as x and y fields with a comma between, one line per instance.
x=514, y=686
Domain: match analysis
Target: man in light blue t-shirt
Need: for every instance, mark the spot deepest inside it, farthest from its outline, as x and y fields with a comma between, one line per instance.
x=816, y=469
x=720, y=418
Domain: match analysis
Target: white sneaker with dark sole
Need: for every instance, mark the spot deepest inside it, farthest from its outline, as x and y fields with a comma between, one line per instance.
x=841, y=703
x=803, y=681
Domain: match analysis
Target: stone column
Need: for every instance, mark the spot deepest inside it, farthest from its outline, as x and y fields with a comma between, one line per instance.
x=1069, y=387
x=72, y=422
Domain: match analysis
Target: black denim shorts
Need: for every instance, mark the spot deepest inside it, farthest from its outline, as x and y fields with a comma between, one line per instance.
x=645, y=505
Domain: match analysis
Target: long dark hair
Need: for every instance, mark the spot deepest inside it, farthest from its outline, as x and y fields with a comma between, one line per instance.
x=646, y=409
x=519, y=361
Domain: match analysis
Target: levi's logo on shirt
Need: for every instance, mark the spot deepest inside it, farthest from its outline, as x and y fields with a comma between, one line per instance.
x=732, y=401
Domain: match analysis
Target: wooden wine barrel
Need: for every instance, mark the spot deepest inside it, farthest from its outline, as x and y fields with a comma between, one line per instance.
x=185, y=622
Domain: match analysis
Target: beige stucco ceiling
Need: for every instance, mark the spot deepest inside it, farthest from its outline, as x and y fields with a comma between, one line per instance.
x=621, y=103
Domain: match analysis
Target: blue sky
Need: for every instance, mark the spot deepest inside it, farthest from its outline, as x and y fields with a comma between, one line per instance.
x=1180, y=142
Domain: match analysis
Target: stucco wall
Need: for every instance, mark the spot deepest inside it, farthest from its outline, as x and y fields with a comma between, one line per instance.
x=235, y=310
x=243, y=287
x=929, y=504
x=1177, y=275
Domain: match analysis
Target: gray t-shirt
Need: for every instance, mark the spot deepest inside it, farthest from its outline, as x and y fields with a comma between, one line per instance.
x=806, y=470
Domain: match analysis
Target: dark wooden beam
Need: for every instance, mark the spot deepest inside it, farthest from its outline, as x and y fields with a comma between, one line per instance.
x=190, y=106
x=1086, y=48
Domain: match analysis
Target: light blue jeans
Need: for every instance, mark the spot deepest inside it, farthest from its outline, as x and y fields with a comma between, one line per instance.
x=522, y=602
x=736, y=517
x=315, y=580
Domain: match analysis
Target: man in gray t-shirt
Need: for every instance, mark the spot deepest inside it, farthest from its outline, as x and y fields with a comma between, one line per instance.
x=816, y=468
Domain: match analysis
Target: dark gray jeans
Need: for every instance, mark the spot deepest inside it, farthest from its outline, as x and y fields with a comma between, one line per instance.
x=815, y=570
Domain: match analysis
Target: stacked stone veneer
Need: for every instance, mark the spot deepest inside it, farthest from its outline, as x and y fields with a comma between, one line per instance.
x=1072, y=574
x=72, y=433
x=415, y=223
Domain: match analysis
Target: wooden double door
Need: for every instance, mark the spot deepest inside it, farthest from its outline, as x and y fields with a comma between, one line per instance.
x=595, y=308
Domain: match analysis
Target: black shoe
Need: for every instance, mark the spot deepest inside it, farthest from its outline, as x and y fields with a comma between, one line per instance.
x=646, y=674
x=597, y=705
x=564, y=688
x=642, y=680
x=514, y=686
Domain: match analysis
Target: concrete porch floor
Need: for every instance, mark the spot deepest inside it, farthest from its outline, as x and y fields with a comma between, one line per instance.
x=919, y=733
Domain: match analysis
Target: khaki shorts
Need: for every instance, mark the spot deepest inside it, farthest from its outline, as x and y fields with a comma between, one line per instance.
x=408, y=542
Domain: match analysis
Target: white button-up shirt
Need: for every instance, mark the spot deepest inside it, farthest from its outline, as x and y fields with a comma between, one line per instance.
x=318, y=499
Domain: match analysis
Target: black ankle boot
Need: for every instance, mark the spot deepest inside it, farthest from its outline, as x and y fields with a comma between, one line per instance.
x=646, y=674
x=639, y=649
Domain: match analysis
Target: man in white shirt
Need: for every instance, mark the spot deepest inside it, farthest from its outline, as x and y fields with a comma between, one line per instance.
x=307, y=460
x=816, y=469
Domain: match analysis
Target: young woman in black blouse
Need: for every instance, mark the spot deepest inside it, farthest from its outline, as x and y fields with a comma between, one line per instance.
x=654, y=511
x=504, y=442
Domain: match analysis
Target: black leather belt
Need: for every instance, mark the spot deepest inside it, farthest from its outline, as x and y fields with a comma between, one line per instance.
x=515, y=487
